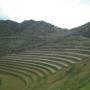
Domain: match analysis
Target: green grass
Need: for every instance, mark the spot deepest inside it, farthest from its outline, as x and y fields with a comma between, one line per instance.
x=73, y=78
x=87, y=87
x=38, y=69
x=10, y=82
x=76, y=78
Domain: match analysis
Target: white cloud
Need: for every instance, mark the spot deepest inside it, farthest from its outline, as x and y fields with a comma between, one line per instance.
x=3, y=15
x=85, y=2
x=64, y=13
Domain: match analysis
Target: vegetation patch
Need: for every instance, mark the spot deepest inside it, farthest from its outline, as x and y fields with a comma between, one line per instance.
x=35, y=55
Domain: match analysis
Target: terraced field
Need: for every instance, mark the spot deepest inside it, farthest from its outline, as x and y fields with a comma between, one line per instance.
x=44, y=68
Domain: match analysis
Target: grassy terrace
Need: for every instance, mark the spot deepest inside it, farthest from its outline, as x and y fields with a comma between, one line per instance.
x=62, y=66
x=10, y=81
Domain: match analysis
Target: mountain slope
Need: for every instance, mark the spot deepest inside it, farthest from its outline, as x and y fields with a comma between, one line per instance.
x=83, y=30
x=28, y=34
x=18, y=36
x=39, y=56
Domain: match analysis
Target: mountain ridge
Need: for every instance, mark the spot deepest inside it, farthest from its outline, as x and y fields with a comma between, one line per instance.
x=30, y=33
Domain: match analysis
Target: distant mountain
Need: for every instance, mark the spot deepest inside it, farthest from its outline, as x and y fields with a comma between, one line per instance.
x=29, y=34
x=83, y=30
x=34, y=27
x=8, y=27
x=17, y=36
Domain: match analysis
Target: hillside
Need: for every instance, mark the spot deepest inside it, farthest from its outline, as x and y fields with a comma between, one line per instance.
x=83, y=30
x=36, y=55
x=28, y=34
x=18, y=36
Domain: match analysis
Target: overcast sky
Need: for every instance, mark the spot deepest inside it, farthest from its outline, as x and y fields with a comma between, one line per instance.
x=62, y=13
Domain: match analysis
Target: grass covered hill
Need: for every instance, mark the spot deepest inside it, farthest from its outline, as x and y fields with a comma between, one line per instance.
x=17, y=36
x=36, y=55
x=83, y=30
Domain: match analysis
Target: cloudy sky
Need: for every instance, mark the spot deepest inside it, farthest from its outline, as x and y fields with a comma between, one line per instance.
x=62, y=13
